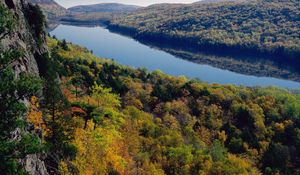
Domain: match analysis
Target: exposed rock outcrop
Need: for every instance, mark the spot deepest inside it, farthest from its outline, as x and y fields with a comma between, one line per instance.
x=22, y=38
x=52, y=9
x=35, y=165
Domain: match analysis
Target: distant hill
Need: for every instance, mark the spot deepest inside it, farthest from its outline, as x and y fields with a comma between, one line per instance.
x=104, y=7
x=216, y=1
x=52, y=9
x=98, y=12
x=252, y=26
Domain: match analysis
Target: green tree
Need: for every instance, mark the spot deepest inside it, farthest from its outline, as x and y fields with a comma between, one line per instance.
x=54, y=106
x=104, y=96
x=77, y=82
x=277, y=157
x=217, y=151
x=179, y=159
x=7, y=22
x=64, y=44
x=36, y=20
x=15, y=142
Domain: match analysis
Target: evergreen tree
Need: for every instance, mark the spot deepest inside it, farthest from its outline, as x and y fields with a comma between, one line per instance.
x=15, y=141
x=7, y=22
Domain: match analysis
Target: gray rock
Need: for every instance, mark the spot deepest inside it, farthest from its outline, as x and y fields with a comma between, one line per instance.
x=34, y=165
x=23, y=38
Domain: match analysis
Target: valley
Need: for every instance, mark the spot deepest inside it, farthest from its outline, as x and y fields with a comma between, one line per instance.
x=213, y=68
x=223, y=45
x=208, y=88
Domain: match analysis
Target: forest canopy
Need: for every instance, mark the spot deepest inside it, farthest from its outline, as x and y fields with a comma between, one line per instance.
x=131, y=121
x=263, y=26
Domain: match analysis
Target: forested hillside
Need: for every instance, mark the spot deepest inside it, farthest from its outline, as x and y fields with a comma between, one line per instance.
x=137, y=122
x=104, y=7
x=250, y=27
x=97, y=12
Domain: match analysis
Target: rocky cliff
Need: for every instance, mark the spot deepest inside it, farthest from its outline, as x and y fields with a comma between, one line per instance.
x=52, y=9
x=23, y=36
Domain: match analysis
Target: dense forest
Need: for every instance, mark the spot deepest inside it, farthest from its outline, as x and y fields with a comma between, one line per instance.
x=137, y=122
x=103, y=7
x=88, y=115
x=262, y=26
x=97, y=13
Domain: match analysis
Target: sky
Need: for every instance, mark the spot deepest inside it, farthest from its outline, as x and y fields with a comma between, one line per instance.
x=70, y=3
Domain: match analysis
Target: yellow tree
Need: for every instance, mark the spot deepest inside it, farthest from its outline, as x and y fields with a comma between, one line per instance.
x=104, y=96
x=99, y=151
x=35, y=116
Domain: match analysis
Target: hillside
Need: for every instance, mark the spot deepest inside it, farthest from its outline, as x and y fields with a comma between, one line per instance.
x=268, y=27
x=217, y=1
x=105, y=7
x=98, y=12
x=52, y=9
x=158, y=124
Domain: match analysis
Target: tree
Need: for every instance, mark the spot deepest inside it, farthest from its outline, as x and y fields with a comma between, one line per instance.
x=105, y=97
x=55, y=108
x=236, y=145
x=217, y=151
x=234, y=165
x=36, y=21
x=7, y=23
x=77, y=83
x=277, y=157
x=99, y=151
x=179, y=160
x=15, y=142
x=64, y=44
x=35, y=116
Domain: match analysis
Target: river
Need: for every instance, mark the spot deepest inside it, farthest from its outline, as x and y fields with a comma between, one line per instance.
x=128, y=51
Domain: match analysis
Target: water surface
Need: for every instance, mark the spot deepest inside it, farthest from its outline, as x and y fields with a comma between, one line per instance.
x=130, y=52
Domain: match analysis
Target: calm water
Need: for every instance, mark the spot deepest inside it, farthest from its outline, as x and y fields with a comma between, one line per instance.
x=128, y=51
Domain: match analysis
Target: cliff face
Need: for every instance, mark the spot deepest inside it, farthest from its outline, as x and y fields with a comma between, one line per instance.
x=21, y=37
x=52, y=9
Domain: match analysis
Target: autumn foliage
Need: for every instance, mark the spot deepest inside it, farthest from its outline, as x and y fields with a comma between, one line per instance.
x=131, y=121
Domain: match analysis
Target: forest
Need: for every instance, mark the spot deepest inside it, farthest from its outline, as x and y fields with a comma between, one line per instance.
x=89, y=115
x=264, y=26
x=111, y=119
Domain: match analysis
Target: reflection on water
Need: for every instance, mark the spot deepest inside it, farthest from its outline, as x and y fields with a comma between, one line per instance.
x=171, y=60
x=246, y=65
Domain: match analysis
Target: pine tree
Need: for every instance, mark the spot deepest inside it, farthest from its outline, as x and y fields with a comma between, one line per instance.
x=15, y=142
